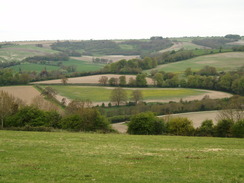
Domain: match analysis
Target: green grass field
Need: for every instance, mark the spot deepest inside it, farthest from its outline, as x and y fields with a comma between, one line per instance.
x=222, y=61
x=19, y=52
x=101, y=94
x=82, y=157
x=81, y=66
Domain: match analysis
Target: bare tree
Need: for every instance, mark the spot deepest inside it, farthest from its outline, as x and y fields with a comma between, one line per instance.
x=103, y=80
x=40, y=103
x=64, y=80
x=136, y=96
x=8, y=105
x=118, y=96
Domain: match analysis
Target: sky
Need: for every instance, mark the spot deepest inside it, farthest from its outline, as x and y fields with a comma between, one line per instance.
x=22, y=20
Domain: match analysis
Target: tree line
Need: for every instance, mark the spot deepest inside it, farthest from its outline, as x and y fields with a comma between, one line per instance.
x=148, y=124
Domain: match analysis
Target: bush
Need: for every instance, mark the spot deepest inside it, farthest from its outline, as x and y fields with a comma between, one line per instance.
x=145, y=124
x=223, y=128
x=91, y=120
x=119, y=118
x=34, y=117
x=206, y=129
x=180, y=126
x=237, y=129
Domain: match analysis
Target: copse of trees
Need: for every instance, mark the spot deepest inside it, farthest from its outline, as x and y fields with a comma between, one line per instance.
x=214, y=43
x=46, y=58
x=233, y=36
x=148, y=124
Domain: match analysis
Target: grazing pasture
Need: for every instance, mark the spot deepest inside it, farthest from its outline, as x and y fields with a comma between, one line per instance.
x=222, y=62
x=85, y=157
x=25, y=93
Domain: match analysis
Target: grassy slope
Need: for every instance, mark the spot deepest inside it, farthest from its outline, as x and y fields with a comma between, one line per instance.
x=222, y=61
x=99, y=94
x=79, y=157
x=81, y=66
x=18, y=53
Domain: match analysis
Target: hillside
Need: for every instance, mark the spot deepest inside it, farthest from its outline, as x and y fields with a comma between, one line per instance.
x=222, y=62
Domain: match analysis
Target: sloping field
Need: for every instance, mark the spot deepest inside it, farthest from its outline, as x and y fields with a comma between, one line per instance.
x=99, y=95
x=222, y=61
x=89, y=79
x=114, y=58
x=17, y=53
x=184, y=45
x=80, y=66
x=196, y=117
x=25, y=93
x=113, y=158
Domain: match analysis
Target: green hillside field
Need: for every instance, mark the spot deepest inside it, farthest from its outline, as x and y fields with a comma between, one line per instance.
x=222, y=61
x=100, y=94
x=81, y=66
x=86, y=157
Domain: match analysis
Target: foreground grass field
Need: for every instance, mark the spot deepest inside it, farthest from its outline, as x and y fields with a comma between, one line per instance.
x=99, y=94
x=81, y=157
x=220, y=61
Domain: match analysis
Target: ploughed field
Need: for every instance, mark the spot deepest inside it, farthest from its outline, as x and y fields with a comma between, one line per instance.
x=25, y=93
x=85, y=157
x=102, y=94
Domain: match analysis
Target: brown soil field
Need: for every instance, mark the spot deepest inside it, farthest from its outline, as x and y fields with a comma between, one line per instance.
x=238, y=43
x=25, y=93
x=89, y=79
x=196, y=117
x=114, y=58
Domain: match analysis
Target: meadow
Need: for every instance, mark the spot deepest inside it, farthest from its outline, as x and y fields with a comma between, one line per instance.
x=100, y=94
x=85, y=157
x=80, y=66
x=221, y=61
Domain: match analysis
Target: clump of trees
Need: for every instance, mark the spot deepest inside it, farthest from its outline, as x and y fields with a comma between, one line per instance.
x=148, y=124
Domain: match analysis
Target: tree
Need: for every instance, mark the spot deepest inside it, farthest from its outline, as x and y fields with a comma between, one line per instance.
x=103, y=80
x=122, y=81
x=145, y=124
x=141, y=80
x=158, y=79
x=49, y=92
x=188, y=72
x=136, y=96
x=8, y=105
x=180, y=126
x=64, y=80
x=118, y=96
x=113, y=81
x=132, y=82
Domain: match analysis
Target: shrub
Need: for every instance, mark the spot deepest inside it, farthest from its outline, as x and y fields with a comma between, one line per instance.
x=73, y=122
x=237, y=129
x=206, y=128
x=34, y=117
x=223, y=128
x=145, y=124
x=180, y=126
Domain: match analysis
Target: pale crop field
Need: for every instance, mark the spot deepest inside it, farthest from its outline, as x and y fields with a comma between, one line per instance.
x=25, y=93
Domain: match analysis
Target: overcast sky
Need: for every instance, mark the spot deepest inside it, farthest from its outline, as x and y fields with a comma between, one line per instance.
x=118, y=19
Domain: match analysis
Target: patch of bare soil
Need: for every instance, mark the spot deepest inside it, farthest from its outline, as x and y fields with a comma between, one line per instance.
x=120, y=127
x=89, y=79
x=114, y=58
x=25, y=93
x=24, y=50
